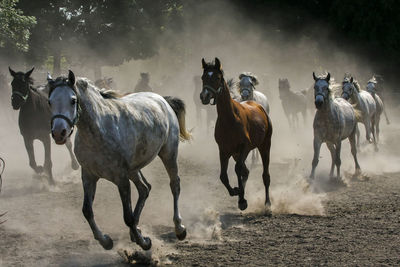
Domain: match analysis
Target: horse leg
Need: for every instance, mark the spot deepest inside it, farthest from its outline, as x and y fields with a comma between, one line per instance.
x=331, y=148
x=74, y=162
x=89, y=189
x=386, y=116
x=47, y=159
x=367, y=124
x=373, y=133
x=265, y=157
x=224, y=160
x=132, y=220
x=317, y=148
x=172, y=169
x=358, y=136
x=338, y=161
x=31, y=154
x=377, y=121
x=354, y=151
x=239, y=166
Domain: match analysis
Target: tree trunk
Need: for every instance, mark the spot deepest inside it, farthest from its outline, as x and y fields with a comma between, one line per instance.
x=57, y=64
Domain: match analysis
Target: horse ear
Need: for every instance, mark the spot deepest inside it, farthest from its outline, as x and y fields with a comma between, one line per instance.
x=203, y=63
x=328, y=77
x=71, y=78
x=218, y=64
x=27, y=74
x=11, y=72
x=351, y=80
x=315, y=78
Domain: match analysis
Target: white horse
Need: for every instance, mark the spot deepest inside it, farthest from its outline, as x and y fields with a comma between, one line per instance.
x=117, y=136
x=334, y=121
x=380, y=108
x=364, y=102
x=247, y=90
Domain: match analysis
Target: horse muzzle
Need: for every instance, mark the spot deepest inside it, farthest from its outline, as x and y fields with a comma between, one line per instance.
x=60, y=131
x=205, y=98
x=319, y=101
x=345, y=96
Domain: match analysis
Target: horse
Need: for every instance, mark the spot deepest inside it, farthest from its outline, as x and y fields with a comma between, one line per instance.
x=210, y=113
x=334, y=121
x=2, y=162
x=365, y=103
x=372, y=88
x=293, y=103
x=240, y=128
x=247, y=91
x=117, y=136
x=34, y=119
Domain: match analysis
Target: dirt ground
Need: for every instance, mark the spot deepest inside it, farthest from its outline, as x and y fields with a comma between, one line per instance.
x=322, y=223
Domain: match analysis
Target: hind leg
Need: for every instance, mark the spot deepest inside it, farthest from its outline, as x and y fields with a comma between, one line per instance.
x=132, y=220
x=373, y=130
x=265, y=157
x=337, y=159
x=89, y=182
x=239, y=169
x=47, y=160
x=377, y=129
x=74, y=162
x=331, y=148
x=168, y=156
x=354, y=152
x=358, y=136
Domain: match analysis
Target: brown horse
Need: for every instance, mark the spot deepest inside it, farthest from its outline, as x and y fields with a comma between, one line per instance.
x=240, y=128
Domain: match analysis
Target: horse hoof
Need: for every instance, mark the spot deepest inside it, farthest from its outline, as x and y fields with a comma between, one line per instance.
x=243, y=204
x=107, y=242
x=39, y=169
x=181, y=235
x=74, y=165
x=146, y=243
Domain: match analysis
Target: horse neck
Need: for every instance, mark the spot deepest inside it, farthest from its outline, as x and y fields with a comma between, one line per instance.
x=29, y=104
x=91, y=105
x=355, y=97
x=225, y=103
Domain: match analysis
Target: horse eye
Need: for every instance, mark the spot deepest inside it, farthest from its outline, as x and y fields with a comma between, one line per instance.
x=48, y=101
x=73, y=101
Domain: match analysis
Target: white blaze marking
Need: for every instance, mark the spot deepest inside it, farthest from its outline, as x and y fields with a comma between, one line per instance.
x=210, y=73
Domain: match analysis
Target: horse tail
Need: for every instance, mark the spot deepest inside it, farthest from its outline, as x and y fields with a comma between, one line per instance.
x=357, y=113
x=179, y=108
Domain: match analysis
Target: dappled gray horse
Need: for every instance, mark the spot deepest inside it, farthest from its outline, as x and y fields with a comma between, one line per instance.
x=117, y=136
x=334, y=121
x=364, y=102
x=380, y=107
x=373, y=86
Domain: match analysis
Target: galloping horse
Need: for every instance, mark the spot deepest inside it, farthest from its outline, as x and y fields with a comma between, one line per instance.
x=374, y=86
x=380, y=108
x=240, y=127
x=365, y=103
x=292, y=103
x=334, y=121
x=117, y=136
x=34, y=119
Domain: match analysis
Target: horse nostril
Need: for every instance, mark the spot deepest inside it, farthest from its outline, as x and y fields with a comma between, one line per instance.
x=63, y=133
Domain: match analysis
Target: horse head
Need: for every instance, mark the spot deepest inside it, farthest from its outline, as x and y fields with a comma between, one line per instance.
x=63, y=101
x=371, y=85
x=20, y=85
x=348, y=88
x=321, y=90
x=247, y=84
x=212, y=81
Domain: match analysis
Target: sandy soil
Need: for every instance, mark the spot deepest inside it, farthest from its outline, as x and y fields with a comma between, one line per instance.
x=322, y=223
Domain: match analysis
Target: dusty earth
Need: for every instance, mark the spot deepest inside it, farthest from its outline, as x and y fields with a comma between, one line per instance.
x=317, y=223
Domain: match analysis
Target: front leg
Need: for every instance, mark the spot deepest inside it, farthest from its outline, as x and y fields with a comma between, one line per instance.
x=239, y=171
x=74, y=162
x=224, y=160
x=48, y=165
x=338, y=161
x=89, y=182
x=317, y=148
x=31, y=154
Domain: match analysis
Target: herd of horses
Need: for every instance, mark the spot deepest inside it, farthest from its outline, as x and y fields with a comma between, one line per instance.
x=117, y=135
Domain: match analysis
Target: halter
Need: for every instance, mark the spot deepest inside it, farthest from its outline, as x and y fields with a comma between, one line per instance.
x=24, y=97
x=215, y=92
x=70, y=122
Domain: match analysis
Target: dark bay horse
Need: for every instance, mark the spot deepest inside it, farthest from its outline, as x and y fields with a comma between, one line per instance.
x=34, y=120
x=240, y=128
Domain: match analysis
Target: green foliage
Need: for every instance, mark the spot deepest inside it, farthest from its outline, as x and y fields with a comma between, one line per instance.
x=14, y=27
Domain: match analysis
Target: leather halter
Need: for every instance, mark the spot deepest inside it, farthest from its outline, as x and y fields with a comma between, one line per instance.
x=24, y=97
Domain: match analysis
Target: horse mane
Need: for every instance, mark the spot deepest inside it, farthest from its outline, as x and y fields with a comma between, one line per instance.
x=251, y=75
x=84, y=83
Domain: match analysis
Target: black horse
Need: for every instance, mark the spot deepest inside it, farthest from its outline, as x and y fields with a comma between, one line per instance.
x=34, y=120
